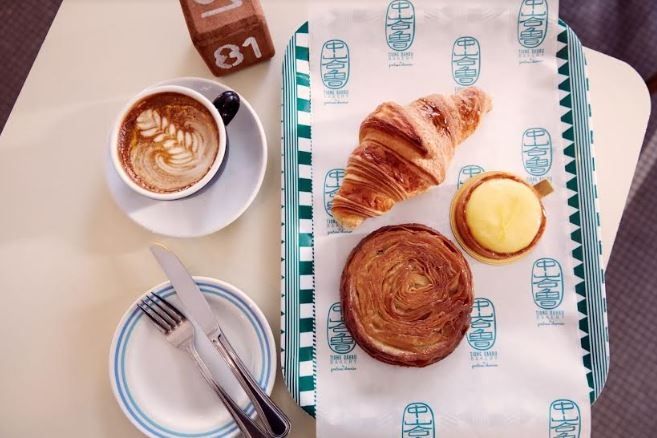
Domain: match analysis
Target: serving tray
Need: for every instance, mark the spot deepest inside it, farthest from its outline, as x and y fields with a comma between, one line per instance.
x=298, y=329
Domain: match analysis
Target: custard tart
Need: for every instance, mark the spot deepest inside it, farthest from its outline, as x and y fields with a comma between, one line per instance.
x=497, y=217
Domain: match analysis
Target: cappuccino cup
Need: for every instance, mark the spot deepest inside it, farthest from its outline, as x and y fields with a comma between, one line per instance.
x=169, y=141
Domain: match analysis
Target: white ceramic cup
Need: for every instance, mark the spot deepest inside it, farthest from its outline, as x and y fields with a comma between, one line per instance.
x=114, y=142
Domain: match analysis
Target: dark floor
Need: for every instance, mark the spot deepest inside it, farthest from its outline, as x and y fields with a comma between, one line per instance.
x=626, y=29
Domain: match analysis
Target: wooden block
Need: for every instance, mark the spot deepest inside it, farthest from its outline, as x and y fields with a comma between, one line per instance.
x=229, y=34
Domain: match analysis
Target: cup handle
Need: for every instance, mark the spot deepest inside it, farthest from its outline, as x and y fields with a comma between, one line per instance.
x=228, y=103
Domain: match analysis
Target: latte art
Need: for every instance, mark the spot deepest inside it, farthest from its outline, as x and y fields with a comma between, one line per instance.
x=179, y=149
x=169, y=141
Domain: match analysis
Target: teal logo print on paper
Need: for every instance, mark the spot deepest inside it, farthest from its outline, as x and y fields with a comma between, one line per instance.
x=483, y=326
x=400, y=25
x=332, y=183
x=340, y=341
x=565, y=419
x=418, y=421
x=337, y=335
x=547, y=283
x=335, y=64
x=537, y=151
x=532, y=23
x=547, y=286
x=468, y=172
x=466, y=60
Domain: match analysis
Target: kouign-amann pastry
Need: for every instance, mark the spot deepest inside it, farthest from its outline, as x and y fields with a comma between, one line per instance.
x=406, y=294
x=497, y=217
x=405, y=150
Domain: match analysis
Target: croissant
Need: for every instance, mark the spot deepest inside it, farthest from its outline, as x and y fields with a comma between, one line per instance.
x=405, y=150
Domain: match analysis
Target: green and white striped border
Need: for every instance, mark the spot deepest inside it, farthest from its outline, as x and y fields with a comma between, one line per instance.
x=297, y=267
x=585, y=216
x=298, y=334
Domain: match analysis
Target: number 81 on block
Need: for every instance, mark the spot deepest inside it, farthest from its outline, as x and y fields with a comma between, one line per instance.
x=229, y=34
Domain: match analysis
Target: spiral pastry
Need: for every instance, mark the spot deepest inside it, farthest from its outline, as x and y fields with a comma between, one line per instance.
x=406, y=294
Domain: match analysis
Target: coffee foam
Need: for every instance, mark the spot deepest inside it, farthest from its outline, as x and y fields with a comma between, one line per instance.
x=168, y=142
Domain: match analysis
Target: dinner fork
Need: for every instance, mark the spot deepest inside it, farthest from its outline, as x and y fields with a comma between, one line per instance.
x=179, y=332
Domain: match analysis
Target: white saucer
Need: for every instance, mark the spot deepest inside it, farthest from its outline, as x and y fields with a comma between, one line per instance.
x=224, y=199
x=159, y=387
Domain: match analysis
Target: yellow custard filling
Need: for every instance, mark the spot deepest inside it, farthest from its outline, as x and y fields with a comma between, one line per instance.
x=503, y=215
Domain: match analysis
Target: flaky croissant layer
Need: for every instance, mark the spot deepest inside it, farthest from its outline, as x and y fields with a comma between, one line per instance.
x=404, y=150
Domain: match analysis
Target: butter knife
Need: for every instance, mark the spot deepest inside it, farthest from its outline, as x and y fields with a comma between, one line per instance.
x=198, y=309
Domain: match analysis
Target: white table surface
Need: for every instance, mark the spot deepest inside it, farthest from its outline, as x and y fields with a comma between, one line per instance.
x=72, y=262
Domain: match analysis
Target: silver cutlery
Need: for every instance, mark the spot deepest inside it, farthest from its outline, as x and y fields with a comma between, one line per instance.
x=179, y=332
x=197, y=308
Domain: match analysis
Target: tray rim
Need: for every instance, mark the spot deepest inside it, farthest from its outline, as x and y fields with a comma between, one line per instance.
x=300, y=331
